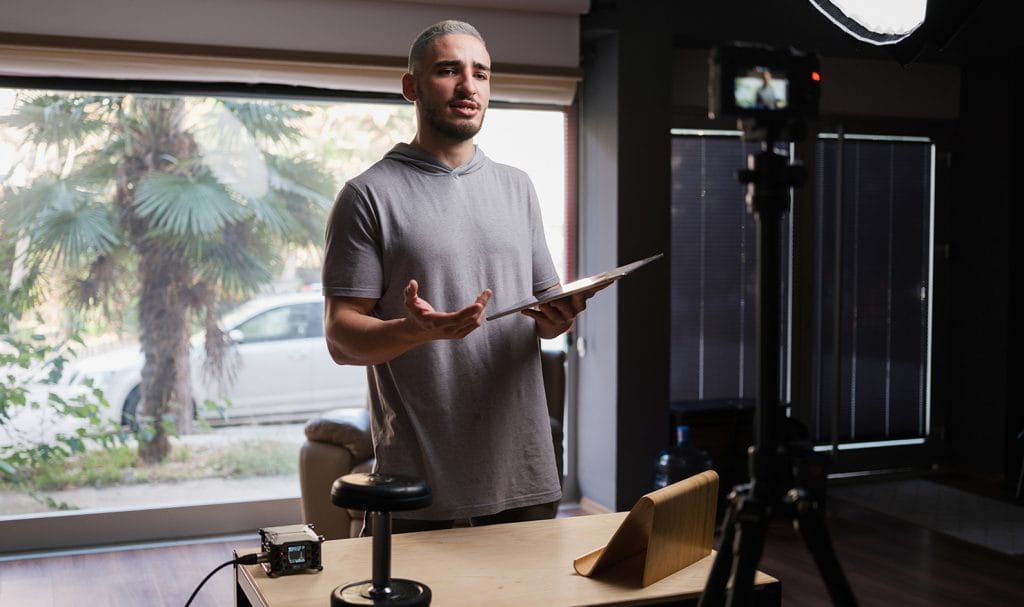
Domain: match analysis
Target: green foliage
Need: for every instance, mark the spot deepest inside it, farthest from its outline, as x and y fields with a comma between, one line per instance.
x=30, y=370
x=55, y=120
x=120, y=465
x=254, y=458
x=205, y=197
x=67, y=223
x=268, y=120
x=89, y=469
x=183, y=206
x=169, y=206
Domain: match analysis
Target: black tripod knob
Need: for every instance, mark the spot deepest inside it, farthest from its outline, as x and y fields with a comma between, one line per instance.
x=380, y=495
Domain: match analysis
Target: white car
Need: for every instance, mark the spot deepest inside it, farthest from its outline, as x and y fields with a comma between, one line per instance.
x=283, y=368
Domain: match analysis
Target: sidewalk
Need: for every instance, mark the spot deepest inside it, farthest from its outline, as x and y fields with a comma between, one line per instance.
x=177, y=493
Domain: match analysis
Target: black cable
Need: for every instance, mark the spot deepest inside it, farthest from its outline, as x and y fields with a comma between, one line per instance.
x=249, y=559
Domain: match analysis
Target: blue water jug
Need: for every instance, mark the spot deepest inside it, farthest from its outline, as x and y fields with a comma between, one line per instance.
x=679, y=461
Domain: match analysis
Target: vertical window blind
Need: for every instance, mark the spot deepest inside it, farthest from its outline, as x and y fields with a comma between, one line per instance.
x=885, y=288
x=886, y=264
x=714, y=257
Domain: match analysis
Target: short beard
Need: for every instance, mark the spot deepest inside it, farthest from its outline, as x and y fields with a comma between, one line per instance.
x=457, y=132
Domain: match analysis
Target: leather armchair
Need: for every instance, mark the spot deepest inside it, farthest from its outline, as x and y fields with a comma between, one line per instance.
x=339, y=443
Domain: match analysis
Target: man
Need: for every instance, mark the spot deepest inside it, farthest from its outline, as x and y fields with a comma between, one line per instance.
x=766, y=94
x=433, y=226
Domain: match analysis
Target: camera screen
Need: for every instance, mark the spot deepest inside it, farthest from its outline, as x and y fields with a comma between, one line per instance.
x=761, y=88
x=296, y=554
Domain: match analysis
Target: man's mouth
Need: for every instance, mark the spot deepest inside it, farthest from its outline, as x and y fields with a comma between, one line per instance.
x=464, y=107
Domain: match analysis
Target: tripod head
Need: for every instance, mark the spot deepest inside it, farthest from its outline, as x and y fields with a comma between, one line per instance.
x=769, y=177
x=771, y=92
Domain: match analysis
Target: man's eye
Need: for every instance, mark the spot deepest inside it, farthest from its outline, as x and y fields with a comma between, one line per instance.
x=482, y=76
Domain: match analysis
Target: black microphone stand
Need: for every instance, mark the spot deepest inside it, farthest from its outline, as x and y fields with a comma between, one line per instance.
x=787, y=478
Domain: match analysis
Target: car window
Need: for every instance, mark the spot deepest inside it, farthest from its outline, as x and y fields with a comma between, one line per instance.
x=315, y=319
x=286, y=322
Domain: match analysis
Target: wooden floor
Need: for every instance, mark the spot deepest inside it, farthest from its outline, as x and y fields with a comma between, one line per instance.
x=887, y=561
x=890, y=562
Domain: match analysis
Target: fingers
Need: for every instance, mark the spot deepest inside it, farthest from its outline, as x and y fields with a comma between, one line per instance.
x=590, y=293
x=556, y=317
x=412, y=290
x=565, y=309
x=445, y=325
x=469, y=318
x=551, y=322
x=412, y=297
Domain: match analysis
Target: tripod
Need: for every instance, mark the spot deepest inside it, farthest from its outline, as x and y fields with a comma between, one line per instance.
x=786, y=477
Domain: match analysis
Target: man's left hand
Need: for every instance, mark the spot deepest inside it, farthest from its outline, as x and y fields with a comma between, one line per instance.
x=555, y=317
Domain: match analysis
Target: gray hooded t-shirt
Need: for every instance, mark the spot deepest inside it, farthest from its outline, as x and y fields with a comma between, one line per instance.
x=469, y=416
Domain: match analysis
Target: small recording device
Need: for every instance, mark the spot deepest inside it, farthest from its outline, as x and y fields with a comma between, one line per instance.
x=764, y=87
x=290, y=549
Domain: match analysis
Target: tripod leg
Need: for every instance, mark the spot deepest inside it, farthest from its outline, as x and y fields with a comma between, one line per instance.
x=714, y=589
x=749, y=544
x=811, y=525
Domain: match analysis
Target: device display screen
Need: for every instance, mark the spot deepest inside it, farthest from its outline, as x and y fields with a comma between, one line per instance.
x=296, y=554
x=761, y=88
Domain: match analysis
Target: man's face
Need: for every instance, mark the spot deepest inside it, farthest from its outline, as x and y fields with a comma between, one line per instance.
x=451, y=87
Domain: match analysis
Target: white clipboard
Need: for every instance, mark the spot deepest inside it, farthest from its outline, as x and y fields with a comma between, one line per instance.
x=576, y=286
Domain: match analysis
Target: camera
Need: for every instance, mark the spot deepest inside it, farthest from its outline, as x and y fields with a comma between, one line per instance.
x=764, y=87
x=290, y=549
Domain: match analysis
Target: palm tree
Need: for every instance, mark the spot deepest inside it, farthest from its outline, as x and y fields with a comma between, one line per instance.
x=175, y=204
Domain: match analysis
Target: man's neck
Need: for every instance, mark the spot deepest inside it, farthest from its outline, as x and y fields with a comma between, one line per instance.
x=452, y=154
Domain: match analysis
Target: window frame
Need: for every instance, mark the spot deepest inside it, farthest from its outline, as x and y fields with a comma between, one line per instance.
x=63, y=531
x=895, y=455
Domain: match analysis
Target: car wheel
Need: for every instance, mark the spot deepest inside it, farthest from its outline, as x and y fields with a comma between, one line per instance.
x=131, y=409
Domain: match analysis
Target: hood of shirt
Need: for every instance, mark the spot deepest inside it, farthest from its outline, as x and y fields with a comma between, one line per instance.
x=421, y=160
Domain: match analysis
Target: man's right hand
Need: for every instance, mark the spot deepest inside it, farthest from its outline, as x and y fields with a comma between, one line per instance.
x=431, y=324
x=356, y=337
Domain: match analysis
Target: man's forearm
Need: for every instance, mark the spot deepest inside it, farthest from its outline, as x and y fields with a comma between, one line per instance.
x=357, y=339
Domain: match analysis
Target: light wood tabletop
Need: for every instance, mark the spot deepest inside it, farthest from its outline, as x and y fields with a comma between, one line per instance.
x=518, y=564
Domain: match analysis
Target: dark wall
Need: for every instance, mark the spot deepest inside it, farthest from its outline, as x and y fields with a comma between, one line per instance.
x=979, y=269
x=1014, y=459
x=625, y=118
x=644, y=229
x=984, y=414
x=595, y=359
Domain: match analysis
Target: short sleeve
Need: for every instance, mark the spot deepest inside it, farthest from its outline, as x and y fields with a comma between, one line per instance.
x=352, y=251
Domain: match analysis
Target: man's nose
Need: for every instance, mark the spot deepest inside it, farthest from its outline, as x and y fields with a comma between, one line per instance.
x=467, y=84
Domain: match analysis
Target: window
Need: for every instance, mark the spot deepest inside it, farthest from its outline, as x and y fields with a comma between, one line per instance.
x=296, y=321
x=714, y=257
x=886, y=270
x=279, y=324
x=886, y=264
x=246, y=195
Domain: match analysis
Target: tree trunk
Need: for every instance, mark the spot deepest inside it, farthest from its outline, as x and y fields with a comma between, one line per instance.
x=163, y=323
x=165, y=278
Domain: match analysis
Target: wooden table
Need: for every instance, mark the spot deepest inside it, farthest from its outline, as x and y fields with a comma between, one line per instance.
x=515, y=564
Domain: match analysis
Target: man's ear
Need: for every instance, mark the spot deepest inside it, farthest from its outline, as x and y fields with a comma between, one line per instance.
x=409, y=87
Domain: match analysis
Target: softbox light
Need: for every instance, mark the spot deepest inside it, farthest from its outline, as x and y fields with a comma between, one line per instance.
x=877, y=22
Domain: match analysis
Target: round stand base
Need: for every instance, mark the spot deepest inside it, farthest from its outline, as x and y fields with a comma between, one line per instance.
x=404, y=593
